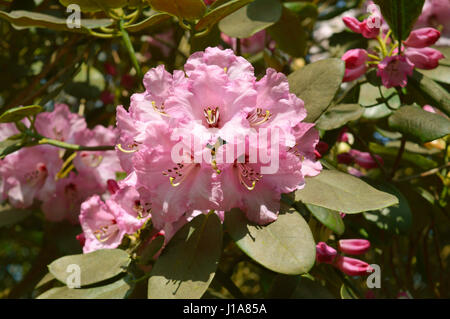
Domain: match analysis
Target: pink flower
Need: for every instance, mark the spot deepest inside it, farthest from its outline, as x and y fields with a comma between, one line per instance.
x=345, y=158
x=254, y=44
x=201, y=119
x=325, y=254
x=352, y=266
x=364, y=159
x=367, y=28
x=105, y=223
x=28, y=174
x=426, y=58
x=436, y=14
x=354, y=246
x=394, y=71
x=422, y=38
x=355, y=64
x=209, y=2
x=100, y=165
x=60, y=124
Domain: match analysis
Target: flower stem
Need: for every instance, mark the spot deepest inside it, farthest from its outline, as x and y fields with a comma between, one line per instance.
x=75, y=147
x=130, y=49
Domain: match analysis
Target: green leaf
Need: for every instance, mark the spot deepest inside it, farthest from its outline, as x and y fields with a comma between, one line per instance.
x=183, y=9
x=369, y=95
x=220, y=12
x=419, y=124
x=391, y=152
x=18, y=113
x=343, y=192
x=338, y=115
x=285, y=246
x=329, y=218
x=396, y=219
x=317, y=84
x=10, y=216
x=257, y=16
x=400, y=15
x=26, y=19
x=116, y=290
x=149, y=22
x=434, y=94
x=9, y=146
x=188, y=263
x=95, y=5
x=293, y=43
x=95, y=267
x=308, y=289
x=347, y=293
x=303, y=9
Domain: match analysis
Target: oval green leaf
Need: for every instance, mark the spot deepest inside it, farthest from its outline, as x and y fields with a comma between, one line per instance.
x=285, y=246
x=220, y=12
x=95, y=267
x=329, y=218
x=95, y=5
x=149, y=22
x=396, y=219
x=183, y=9
x=317, y=84
x=343, y=192
x=117, y=290
x=400, y=15
x=18, y=113
x=293, y=43
x=257, y=16
x=188, y=263
x=26, y=19
x=419, y=124
x=338, y=115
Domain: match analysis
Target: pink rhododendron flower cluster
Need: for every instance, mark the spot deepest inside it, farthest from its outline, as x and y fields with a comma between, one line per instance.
x=202, y=114
x=393, y=68
x=350, y=266
x=36, y=173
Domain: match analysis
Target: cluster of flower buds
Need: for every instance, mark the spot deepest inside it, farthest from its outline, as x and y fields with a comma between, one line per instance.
x=393, y=65
x=349, y=266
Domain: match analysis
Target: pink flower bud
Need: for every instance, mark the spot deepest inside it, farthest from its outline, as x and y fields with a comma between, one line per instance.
x=209, y=2
x=322, y=148
x=426, y=58
x=368, y=28
x=355, y=64
x=354, y=246
x=345, y=158
x=81, y=239
x=352, y=23
x=325, y=254
x=394, y=71
x=422, y=38
x=365, y=160
x=352, y=266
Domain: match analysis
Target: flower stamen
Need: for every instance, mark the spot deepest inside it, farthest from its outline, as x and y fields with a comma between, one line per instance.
x=257, y=117
x=212, y=116
x=160, y=109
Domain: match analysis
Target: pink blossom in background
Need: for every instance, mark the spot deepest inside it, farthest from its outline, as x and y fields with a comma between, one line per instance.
x=28, y=174
x=355, y=64
x=209, y=2
x=163, y=41
x=219, y=100
x=252, y=45
x=394, y=71
x=354, y=246
x=436, y=14
x=365, y=159
x=60, y=124
x=105, y=223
